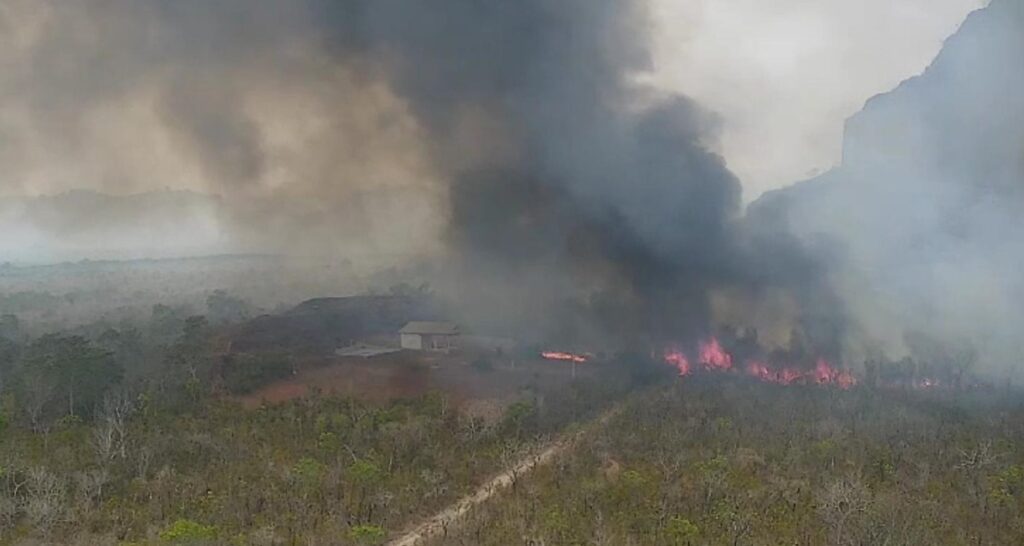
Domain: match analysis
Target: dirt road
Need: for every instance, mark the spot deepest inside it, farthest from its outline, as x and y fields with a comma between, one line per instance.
x=439, y=523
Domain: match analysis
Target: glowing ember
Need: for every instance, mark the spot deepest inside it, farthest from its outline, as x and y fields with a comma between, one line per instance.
x=713, y=357
x=568, y=357
x=784, y=376
x=761, y=371
x=676, y=358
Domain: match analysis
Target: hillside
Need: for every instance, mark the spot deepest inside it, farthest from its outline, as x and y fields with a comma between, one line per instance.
x=921, y=221
x=324, y=324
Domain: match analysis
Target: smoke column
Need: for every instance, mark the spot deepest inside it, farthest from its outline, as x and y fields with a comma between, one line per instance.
x=512, y=141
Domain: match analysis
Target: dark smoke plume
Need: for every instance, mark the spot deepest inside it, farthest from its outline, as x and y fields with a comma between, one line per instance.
x=567, y=179
x=511, y=139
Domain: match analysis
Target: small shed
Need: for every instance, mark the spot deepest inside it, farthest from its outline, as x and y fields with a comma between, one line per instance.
x=429, y=336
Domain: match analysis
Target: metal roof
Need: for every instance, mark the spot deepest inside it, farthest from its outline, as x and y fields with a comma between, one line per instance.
x=430, y=328
x=365, y=351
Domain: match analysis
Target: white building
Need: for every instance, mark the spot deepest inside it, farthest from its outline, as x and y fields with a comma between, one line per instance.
x=429, y=336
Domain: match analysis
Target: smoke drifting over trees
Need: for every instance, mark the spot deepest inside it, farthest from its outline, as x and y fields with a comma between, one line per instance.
x=511, y=136
x=514, y=143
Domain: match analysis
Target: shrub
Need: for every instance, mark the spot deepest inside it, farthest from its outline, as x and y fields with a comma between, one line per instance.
x=364, y=472
x=186, y=531
x=367, y=534
x=309, y=471
x=682, y=531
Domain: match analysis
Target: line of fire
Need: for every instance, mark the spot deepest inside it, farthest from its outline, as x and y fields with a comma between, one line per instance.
x=712, y=357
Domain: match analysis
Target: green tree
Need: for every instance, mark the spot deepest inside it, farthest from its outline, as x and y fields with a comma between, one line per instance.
x=365, y=473
x=9, y=354
x=518, y=416
x=682, y=532
x=10, y=327
x=166, y=321
x=190, y=359
x=308, y=471
x=224, y=308
x=80, y=371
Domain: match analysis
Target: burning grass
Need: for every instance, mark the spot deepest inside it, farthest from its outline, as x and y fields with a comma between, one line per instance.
x=711, y=357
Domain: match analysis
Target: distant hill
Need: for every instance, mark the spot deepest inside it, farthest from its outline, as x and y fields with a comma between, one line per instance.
x=324, y=324
x=87, y=224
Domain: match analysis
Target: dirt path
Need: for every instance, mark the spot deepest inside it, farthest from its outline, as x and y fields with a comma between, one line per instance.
x=437, y=524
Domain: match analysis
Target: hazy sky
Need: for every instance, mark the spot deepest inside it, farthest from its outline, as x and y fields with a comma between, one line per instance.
x=784, y=74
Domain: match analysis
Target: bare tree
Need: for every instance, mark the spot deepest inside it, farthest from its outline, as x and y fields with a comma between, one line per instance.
x=45, y=503
x=843, y=506
x=511, y=453
x=143, y=458
x=974, y=463
x=8, y=511
x=978, y=457
x=37, y=393
x=90, y=485
x=104, y=441
x=110, y=437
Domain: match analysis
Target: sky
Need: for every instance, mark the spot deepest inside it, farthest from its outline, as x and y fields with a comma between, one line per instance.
x=783, y=75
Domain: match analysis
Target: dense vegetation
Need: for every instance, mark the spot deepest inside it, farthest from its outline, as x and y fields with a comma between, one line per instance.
x=727, y=461
x=118, y=432
x=313, y=471
x=119, y=435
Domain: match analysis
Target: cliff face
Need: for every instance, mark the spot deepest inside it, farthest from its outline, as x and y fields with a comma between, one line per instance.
x=925, y=215
x=962, y=118
x=961, y=122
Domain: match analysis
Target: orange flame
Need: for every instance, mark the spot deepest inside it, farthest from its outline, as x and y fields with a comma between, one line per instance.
x=676, y=358
x=567, y=357
x=714, y=358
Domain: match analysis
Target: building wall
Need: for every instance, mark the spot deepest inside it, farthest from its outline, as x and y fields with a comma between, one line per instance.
x=438, y=342
x=424, y=342
x=412, y=341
